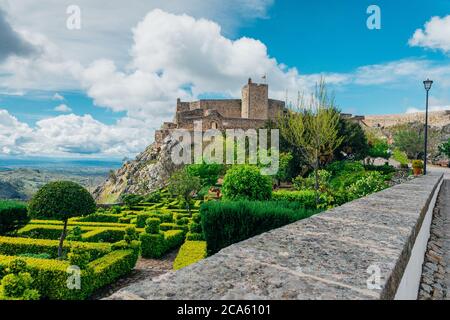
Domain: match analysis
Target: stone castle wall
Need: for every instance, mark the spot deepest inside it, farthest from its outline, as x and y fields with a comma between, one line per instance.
x=366, y=249
x=250, y=112
x=435, y=118
x=255, y=101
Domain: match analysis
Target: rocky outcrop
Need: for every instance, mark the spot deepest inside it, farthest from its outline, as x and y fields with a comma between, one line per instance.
x=148, y=172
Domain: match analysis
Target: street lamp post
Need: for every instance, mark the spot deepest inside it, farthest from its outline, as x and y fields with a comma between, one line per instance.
x=427, y=84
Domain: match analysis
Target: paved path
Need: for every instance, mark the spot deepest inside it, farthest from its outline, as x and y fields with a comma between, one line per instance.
x=438, y=169
x=435, y=282
x=445, y=209
x=145, y=269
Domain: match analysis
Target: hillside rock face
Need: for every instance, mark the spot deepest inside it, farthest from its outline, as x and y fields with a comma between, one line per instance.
x=148, y=172
x=9, y=191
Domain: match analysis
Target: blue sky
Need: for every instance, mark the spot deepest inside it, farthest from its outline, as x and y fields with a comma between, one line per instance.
x=102, y=90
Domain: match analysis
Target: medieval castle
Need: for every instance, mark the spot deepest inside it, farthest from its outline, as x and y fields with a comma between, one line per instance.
x=252, y=111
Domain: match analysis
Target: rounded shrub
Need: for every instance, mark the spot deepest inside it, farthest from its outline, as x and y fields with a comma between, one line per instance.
x=17, y=283
x=246, y=182
x=14, y=285
x=152, y=225
x=61, y=200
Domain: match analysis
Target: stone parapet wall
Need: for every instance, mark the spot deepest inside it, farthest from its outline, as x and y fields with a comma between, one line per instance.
x=329, y=256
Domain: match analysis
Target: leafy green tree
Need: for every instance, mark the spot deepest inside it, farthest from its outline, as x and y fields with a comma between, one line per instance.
x=61, y=200
x=314, y=128
x=354, y=145
x=246, y=182
x=183, y=185
x=379, y=149
x=285, y=159
x=410, y=139
x=296, y=165
x=444, y=148
x=208, y=173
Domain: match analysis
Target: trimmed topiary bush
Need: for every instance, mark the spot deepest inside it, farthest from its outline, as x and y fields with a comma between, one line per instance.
x=246, y=182
x=228, y=222
x=152, y=245
x=152, y=225
x=17, y=283
x=190, y=252
x=13, y=216
x=79, y=257
x=61, y=200
x=141, y=218
x=306, y=198
x=101, y=217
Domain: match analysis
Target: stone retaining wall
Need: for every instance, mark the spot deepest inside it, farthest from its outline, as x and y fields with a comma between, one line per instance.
x=333, y=255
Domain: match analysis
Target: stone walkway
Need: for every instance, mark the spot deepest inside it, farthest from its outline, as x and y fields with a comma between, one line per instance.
x=145, y=269
x=435, y=282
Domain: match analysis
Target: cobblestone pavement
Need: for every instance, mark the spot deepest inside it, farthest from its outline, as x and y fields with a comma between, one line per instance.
x=435, y=282
x=145, y=269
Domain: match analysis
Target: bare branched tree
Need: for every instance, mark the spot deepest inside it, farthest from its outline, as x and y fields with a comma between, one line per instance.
x=313, y=127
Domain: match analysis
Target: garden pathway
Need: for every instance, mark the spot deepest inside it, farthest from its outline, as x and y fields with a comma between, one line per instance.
x=145, y=269
x=435, y=282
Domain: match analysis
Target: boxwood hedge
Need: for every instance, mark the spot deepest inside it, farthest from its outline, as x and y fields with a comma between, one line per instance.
x=190, y=252
x=228, y=222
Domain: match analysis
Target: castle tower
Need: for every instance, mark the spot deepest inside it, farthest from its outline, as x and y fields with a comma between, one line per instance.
x=255, y=101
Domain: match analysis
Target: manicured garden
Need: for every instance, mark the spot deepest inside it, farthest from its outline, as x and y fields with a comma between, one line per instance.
x=60, y=245
x=104, y=245
x=36, y=261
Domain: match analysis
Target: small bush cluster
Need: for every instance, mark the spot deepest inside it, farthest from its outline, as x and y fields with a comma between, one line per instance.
x=17, y=283
x=245, y=182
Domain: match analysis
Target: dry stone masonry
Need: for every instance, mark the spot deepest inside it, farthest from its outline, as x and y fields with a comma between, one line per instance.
x=359, y=250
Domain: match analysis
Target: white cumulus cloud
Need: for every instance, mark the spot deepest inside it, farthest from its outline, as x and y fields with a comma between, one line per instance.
x=13, y=134
x=181, y=56
x=58, y=97
x=63, y=108
x=434, y=35
x=72, y=135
